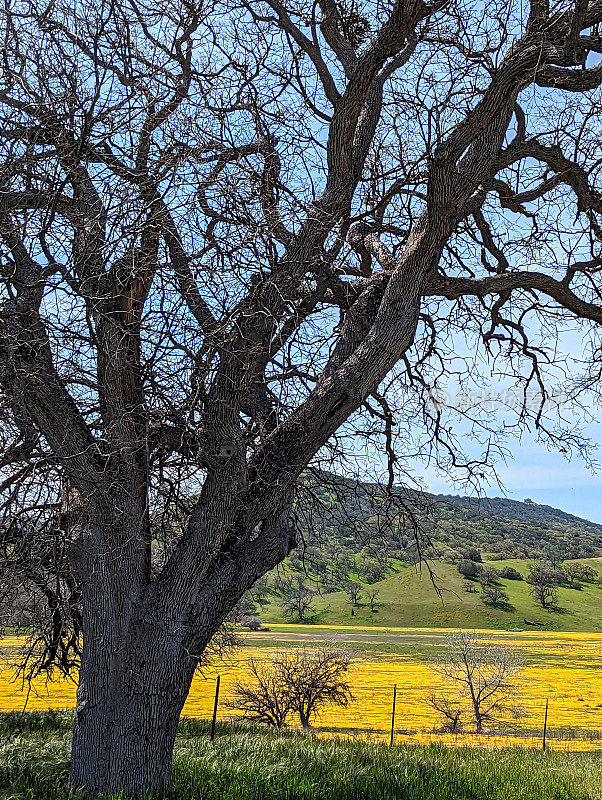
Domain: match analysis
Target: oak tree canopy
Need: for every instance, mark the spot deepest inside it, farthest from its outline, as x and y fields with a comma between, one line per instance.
x=233, y=233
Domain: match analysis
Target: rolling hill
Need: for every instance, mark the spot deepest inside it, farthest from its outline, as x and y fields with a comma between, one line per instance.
x=354, y=535
x=407, y=597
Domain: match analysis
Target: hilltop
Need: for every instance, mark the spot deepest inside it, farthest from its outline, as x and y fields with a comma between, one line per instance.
x=508, y=526
x=357, y=513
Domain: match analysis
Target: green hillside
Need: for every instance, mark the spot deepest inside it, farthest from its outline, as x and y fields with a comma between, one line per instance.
x=408, y=598
x=403, y=553
x=354, y=514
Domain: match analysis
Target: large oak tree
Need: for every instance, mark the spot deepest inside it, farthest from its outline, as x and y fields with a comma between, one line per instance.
x=232, y=230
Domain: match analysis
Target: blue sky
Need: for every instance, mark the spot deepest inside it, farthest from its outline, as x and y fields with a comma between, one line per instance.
x=533, y=470
x=544, y=477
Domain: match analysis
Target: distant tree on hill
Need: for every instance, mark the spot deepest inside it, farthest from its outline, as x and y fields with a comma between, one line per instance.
x=283, y=584
x=510, y=574
x=473, y=554
x=320, y=572
x=467, y=568
x=495, y=596
x=469, y=587
x=543, y=580
x=341, y=566
x=295, y=561
x=371, y=570
x=487, y=576
x=555, y=553
x=576, y=572
x=353, y=589
x=483, y=675
x=298, y=604
x=260, y=589
x=373, y=598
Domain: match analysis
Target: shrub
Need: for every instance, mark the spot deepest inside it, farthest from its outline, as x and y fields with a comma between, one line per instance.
x=300, y=681
x=252, y=622
x=510, y=574
x=467, y=568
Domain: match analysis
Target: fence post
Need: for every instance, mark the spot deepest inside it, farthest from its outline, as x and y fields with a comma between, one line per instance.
x=545, y=724
x=213, y=721
x=393, y=715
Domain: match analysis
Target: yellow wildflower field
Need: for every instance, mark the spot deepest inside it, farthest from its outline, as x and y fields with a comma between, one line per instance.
x=564, y=667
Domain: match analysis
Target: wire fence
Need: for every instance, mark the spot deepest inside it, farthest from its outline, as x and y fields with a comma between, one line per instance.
x=384, y=714
x=567, y=674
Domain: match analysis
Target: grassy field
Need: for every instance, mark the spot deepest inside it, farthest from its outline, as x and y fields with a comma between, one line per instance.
x=248, y=764
x=564, y=667
x=408, y=598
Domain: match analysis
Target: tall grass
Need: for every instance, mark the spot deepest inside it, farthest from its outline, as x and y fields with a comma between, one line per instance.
x=251, y=764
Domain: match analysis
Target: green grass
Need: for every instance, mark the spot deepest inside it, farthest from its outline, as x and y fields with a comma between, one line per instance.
x=249, y=764
x=409, y=599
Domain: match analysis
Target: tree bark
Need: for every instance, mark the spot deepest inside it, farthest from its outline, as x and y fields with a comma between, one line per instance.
x=128, y=707
x=136, y=669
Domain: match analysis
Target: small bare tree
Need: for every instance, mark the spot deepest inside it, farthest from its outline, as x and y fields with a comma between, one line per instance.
x=353, y=590
x=450, y=712
x=484, y=674
x=373, y=599
x=298, y=604
x=316, y=677
x=301, y=681
x=267, y=699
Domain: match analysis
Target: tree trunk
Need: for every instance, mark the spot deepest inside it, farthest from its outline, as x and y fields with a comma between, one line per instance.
x=133, y=753
x=142, y=640
x=128, y=707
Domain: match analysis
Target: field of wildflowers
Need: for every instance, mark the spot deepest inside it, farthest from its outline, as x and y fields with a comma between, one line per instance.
x=564, y=667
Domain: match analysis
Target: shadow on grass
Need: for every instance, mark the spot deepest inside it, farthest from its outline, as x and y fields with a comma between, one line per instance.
x=500, y=606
